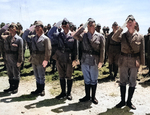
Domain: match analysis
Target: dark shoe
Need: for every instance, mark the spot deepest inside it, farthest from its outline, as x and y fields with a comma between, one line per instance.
x=130, y=105
x=69, y=97
x=14, y=91
x=95, y=101
x=36, y=92
x=42, y=93
x=84, y=99
x=10, y=89
x=61, y=96
x=15, y=86
x=121, y=104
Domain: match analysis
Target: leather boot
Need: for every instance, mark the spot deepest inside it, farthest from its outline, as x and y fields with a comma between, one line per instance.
x=69, y=87
x=41, y=89
x=15, y=86
x=115, y=70
x=130, y=95
x=87, y=92
x=110, y=70
x=36, y=92
x=123, y=93
x=10, y=87
x=94, y=100
x=63, y=89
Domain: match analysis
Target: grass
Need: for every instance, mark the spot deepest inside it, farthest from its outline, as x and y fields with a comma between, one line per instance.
x=53, y=79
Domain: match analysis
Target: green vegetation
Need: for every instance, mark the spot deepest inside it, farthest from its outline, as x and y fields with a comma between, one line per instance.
x=53, y=79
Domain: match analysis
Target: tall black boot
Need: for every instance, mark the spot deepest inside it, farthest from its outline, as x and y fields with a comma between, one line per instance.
x=115, y=70
x=87, y=92
x=130, y=95
x=123, y=93
x=15, y=86
x=10, y=87
x=94, y=100
x=37, y=91
x=110, y=71
x=69, y=87
x=41, y=89
x=63, y=89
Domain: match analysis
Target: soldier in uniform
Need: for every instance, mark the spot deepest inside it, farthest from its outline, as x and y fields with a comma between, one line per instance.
x=132, y=55
x=113, y=52
x=41, y=52
x=64, y=55
x=92, y=48
x=13, y=46
x=147, y=49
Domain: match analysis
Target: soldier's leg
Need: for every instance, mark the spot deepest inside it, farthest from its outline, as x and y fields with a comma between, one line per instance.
x=123, y=81
x=132, y=84
x=86, y=75
x=36, y=76
x=10, y=80
x=69, y=71
x=41, y=79
x=61, y=70
x=94, y=77
x=16, y=78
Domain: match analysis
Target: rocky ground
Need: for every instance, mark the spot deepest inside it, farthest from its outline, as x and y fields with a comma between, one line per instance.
x=108, y=96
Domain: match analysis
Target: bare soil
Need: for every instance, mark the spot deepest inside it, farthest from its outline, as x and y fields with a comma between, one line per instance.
x=108, y=95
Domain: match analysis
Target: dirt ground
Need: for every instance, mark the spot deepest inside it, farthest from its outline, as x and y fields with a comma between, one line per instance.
x=107, y=94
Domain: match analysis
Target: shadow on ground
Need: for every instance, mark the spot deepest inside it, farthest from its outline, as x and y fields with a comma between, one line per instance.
x=117, y=111
x=145, y=83
x=21, y=98
x=46, y=102
x=2, y=94
x=73, y=107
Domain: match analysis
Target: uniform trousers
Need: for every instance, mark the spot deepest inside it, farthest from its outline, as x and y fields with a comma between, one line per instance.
x=39, y=73
x=128, y=75
x=90, y=74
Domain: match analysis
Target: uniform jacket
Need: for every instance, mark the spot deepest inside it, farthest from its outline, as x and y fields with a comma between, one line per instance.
x=94, y=43
x=41, y=49
x=137, y=43
x=13, y=49
x=66, y=45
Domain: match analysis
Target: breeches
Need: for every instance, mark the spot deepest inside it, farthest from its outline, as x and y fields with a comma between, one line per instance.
x=65, y=70
x=128, y=75
x=90, y=74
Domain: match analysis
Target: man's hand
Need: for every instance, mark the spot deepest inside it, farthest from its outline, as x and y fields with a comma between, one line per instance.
x=75, y=63
x=58, y=24
x=99, y=65
x=18, y=64
x=45, y=63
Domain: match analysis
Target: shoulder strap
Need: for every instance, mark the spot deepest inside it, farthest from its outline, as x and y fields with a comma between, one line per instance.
x=129, y=44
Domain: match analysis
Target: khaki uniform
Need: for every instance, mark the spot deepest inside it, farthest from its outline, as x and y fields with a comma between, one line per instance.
x=128, y=61
x=13, y=54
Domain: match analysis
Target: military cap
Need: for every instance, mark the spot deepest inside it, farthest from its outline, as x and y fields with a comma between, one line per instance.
x=91, y=20
x=13, y=25
x=104, y=27
x=149, y=30
x=115, y=24
x=65, y=21
x=39, y=23
x=130, y=17
x=98, y=25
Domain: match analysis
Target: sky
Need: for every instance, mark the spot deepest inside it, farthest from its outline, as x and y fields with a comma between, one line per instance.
x=104, y=12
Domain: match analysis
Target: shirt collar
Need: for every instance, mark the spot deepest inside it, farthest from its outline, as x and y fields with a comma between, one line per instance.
x=41, y=38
